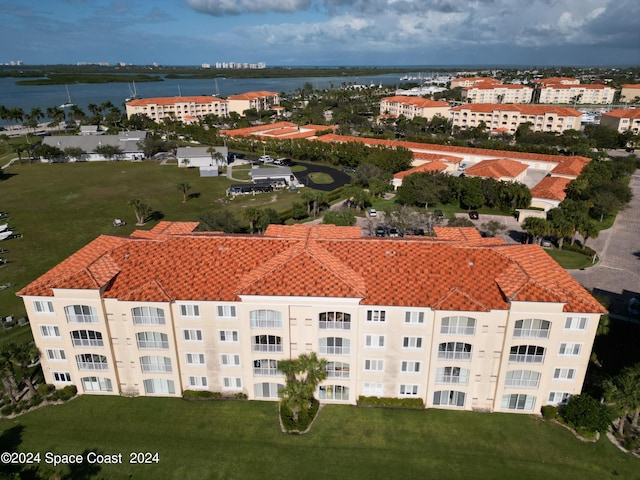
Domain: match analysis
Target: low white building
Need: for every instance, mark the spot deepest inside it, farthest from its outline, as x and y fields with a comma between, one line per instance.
x=202, y=156
x=128, y=144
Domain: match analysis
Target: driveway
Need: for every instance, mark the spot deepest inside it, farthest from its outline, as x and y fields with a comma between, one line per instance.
x=617, y=276
x=339, y=178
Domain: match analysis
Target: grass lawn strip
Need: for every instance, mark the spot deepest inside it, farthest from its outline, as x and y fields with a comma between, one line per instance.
x=242, y=440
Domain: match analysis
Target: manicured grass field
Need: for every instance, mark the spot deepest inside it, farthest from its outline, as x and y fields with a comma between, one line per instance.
x=569, y=260
x=61, y=207
x=242, y=440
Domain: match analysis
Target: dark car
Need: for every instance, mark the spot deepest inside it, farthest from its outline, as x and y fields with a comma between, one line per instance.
x=381, y=231
x=474, y=215
x=394, y=232
x=438, y=214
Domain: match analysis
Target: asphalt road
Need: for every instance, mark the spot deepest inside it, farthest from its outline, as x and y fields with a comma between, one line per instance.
x=339, y=178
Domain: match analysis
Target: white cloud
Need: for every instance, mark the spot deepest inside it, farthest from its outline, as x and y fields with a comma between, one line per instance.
x=237, y=7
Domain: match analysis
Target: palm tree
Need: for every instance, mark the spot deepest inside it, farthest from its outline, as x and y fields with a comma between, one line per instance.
x=302, y=375
x=184, y=187
x=141, y=209
x=7, y=372
x=22, y=358
x=252, y=215
x=624, y=391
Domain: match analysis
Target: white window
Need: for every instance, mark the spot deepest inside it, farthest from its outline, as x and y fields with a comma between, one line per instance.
x=556, y=398
x=50, y=331
x=86, y=338
x=526, y=354
x=192, y=335
x=564, y=374
x=43, y=306
x=334, y=346
x=570, y=349
x=81, y=314
x=518, y=401
x=334, y=321
x=228, y=336
x=408, y=390
x=267, y=343
x=338, y=370
x=267, y=390
x=374, y=365
x=96, y=384
x=159, y=385
x=373, y=389
x=232, y=383
x=374, y=341
x=196, y=381
x=458, y=326
x=522, y=378
x=152, y=340
x=189, y=311
x=413, y=317
x=265, y=319
x=155, y=364
x=91, y=361
x=226, y=311
x=410, y=367
x=451, y=398
x=452, y=375
x=265, y=367
x=230, y=360
x=412, y=342
x=575, y=323
x=454, y=351
x=532, y=328
x=333, y=392
x=147, y=316
x=195, y=358
x=377, y=316
x=61, y=377
x=55, y=354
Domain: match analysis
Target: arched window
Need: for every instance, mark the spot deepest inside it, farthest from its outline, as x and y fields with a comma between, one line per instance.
x=532, y=328
x=91, y=361
x=152, y=340
x=265, y=367
x=454, y=351
x=86, y=338
x=266, y=343
x=147, y=316
x=81, y=314
x=334, y=320
x=265, y=319
x=526, y=354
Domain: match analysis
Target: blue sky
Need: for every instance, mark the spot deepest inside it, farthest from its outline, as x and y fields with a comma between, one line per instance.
x=322, y=32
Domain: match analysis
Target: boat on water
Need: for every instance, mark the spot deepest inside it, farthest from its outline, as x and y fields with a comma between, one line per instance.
x=68, y=103
x=133, y=93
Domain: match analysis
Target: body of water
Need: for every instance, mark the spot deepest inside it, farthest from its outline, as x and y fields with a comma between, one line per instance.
x=83, y=94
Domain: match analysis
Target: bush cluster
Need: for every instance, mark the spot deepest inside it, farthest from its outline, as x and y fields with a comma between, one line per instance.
x=549, y=411
x=45, y=392
x=304, y=419
x=200, y=394
x=589, y=252
x=390, y=402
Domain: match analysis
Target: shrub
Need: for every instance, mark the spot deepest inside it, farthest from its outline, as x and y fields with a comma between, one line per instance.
x=44, y=389
x=390, y=402
x=7, y=410
x=549, y=411
x=587, y=251
x=240, y=396
x=200, y=394
x=70, y=391
x=583, y=411
x=305, y=417
x=36, y=400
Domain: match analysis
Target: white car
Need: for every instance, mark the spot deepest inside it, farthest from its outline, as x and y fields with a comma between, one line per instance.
x=265, y=159
x=372, y=212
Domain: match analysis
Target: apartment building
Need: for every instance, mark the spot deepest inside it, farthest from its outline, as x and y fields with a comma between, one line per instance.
x=576, y=94
x=474, y=81
x=508, y=93
x=412, y=107
x=622, y=120
x=630, y=93
x=509, y=117
x=460, y=321
x=185, y=109
x=261, y=101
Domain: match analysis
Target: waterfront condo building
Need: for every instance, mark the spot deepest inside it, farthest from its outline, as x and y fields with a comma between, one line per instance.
x=490, y=93
x=412, y=107
x=576, y=94
x=186, y=109
x=623, y=120
x=457, y=320
x=508, y=118
x=260, y=101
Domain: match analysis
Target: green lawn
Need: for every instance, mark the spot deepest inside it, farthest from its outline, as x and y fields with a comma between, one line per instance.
x=321, y=178
x=569, y=260
x=242, y=440
x=61, y=207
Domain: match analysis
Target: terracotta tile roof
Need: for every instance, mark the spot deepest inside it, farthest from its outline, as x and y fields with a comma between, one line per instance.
x=166, y=228
x=458, y=271
x=571, y=166
x=252, y=95
x=586, y=86
x=631, y=85
x=281, y=130
x=521, y=109
x=141, y=102
x=624, y=113
x=304, y=231
x=417, y=101
x=436, y=157
x=552, y=188
x=490, y=86
x=496, y=168
x=435, y=166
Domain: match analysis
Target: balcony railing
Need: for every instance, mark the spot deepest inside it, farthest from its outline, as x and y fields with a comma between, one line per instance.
x=148, y=320
x=531, y=332
x=266, y=323
x=153, y=345
x=335, y=350
x=266, y=348
x=87, y=342
x=454, y=355
x=81, y=318
x=452, y=379
x=333, y=325
x=525, y=358
x=92, y=366
x=146, y=368
x=266, y=372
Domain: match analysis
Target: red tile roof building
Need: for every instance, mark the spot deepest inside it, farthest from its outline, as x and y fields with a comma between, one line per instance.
x=412, y=107
x=507, y=93
x=459, y=321
x=543, y=118
x=280, y=131
x=499, y=169
x=186, y=109
x=630, y=93
x=576, y=94
x=622, y=120
x=260, y=101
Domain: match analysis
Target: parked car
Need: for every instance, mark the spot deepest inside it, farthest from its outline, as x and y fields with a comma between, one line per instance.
x=265, y=159
x=349, y=170
x=474, y=215
x=438, y=214
x=373, y=212
x=381, y=231
x=285, y=162
x=395, y=232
